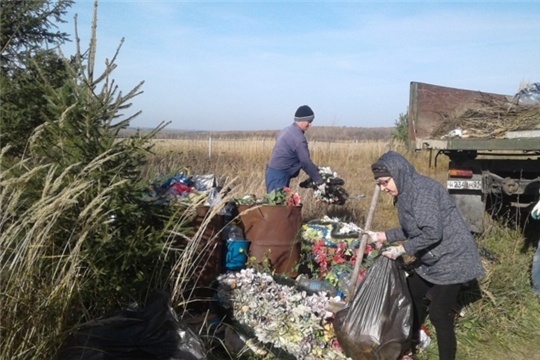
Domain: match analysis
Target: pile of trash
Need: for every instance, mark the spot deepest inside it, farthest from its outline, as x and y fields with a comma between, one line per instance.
x=288, y=321
x=280, y=316
x=297, y=317
x=529, y=95
x=183, y=188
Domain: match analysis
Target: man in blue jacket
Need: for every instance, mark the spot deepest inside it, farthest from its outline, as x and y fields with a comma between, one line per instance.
x=291, y=153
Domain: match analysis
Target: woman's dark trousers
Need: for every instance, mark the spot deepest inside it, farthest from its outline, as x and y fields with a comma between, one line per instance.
x=442, y=300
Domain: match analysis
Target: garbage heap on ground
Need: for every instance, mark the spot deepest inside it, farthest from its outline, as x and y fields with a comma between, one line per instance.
x=289, y=322
x=281, y=281
x=292, y=316
x=183, y=188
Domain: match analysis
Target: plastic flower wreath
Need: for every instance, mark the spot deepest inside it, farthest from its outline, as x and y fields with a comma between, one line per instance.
x=329, y=249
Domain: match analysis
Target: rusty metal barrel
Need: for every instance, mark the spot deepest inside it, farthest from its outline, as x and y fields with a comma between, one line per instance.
x=274, y=231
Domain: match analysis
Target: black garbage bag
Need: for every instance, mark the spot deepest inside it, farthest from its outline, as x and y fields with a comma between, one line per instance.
x=152, y=333
x=376, y=324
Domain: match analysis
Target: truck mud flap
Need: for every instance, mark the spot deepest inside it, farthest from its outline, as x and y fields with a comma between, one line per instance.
x=471, y=207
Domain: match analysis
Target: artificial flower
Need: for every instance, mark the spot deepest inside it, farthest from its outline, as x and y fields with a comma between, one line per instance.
x=280, y=315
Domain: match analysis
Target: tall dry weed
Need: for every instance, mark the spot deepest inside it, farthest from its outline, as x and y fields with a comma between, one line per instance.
x=39, y=271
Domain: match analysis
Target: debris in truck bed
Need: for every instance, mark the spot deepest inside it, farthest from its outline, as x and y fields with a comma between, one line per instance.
x=491, y=119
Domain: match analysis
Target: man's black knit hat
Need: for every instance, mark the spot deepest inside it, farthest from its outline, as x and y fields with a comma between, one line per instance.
x=379, y=170
x=304, y=113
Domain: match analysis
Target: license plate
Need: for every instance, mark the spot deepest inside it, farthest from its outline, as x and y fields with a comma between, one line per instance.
x=464, y=184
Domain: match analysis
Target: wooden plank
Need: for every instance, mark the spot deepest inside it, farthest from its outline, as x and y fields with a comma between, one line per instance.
x=523, y=134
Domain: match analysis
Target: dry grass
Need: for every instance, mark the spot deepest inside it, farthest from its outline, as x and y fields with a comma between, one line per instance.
x=37, y=283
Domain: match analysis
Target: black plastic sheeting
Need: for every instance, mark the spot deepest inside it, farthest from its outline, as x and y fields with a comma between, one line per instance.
x=152, y=333
x=376, y=324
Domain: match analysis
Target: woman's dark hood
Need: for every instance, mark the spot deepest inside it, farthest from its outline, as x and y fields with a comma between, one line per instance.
x=400, y=169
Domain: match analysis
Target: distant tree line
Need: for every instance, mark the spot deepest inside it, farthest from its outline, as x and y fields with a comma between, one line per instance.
x=317, y=133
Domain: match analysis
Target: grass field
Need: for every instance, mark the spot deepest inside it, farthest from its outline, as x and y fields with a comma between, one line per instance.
x=503, y=319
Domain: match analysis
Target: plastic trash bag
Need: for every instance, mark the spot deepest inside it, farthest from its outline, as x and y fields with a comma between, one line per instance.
x=376, y=324
x=213, y=197
x=152, y=333
x=529, y=95
x=162, y=184
x=204, y=182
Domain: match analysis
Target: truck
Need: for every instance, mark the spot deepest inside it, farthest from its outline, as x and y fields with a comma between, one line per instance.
x=487, y=176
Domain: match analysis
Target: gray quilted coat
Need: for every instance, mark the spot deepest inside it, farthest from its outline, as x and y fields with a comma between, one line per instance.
x=431, y=226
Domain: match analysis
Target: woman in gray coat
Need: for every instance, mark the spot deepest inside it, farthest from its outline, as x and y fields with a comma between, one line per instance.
x=434, y=232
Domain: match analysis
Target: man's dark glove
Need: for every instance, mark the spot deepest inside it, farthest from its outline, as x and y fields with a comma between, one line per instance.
x=307, y=184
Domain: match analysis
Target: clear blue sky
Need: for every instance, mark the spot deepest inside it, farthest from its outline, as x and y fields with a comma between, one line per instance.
x=248, y=65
